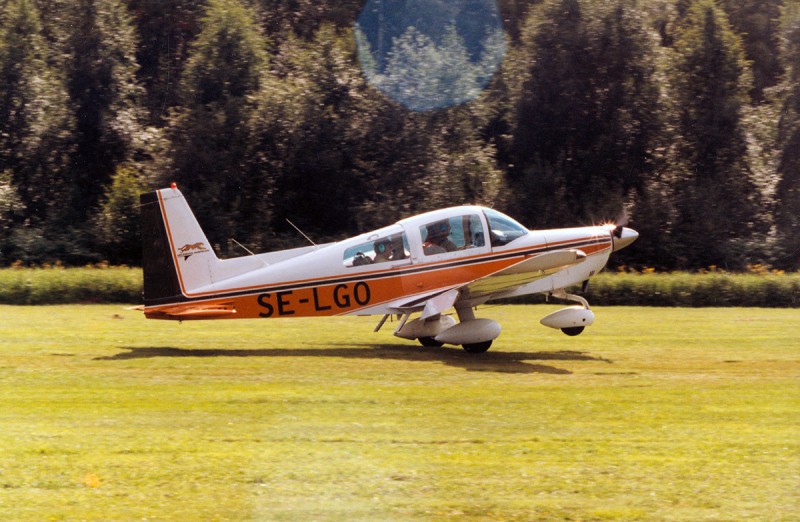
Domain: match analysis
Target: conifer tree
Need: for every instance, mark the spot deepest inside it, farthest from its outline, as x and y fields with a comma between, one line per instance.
x=165, y=30
x=719, y=207
x=757, y=22
x=317, y=190
x=303, y=18
x=584, y=122
x=105, y=97
x=209, y=133
x=788, y=190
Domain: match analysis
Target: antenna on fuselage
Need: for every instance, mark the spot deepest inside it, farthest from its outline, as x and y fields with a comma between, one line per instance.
x=301, y=232
x=250, y=252
x=243, y=247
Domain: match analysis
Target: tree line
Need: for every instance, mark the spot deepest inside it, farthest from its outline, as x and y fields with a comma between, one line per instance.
x=684, y=115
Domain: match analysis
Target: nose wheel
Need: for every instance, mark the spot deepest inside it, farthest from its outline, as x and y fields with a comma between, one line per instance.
x=571, y=320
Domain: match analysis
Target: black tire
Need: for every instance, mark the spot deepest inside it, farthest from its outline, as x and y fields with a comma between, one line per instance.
x=477, y=347
x=430, y=342
x=573, y=330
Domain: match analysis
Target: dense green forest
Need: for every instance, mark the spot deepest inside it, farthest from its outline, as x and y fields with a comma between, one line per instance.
x=683, y=114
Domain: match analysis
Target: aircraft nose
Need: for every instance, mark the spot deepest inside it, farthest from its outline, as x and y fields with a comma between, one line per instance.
x=624, y=237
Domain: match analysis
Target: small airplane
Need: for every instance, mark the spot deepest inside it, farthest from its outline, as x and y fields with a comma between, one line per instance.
x=423, y=266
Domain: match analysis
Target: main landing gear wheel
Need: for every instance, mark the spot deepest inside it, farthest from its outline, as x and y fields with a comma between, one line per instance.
x=477, y=347
x=430, y=342
x=573, y=330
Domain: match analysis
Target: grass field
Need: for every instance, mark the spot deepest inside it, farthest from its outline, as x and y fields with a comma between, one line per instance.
x=652, y=414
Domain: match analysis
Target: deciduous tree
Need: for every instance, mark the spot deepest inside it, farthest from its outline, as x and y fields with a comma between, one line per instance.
x=35, y=127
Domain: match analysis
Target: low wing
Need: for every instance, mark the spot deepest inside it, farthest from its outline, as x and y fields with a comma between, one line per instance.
x=508, y=279
x=522, y=273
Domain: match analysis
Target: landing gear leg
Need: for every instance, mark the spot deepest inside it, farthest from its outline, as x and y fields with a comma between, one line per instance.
x=562, y=294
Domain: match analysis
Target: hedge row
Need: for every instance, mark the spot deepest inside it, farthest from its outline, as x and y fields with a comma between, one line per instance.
x=37, y=286
x=691, y=290
x=696, y=290
x=33, y=286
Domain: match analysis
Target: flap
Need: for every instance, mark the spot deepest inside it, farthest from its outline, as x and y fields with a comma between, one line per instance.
x=524, y=272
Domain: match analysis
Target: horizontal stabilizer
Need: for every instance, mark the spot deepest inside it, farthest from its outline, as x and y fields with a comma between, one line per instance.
x=199, y=311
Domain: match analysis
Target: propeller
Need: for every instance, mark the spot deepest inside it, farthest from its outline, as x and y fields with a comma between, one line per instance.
x=620, y=235
x=620, y=222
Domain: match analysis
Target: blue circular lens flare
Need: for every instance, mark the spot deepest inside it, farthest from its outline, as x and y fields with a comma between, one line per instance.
x=430, y=54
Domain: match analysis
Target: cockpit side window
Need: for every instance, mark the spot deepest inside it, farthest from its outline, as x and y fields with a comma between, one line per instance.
x=448, y=235
x=502, y=229
x=381, y=249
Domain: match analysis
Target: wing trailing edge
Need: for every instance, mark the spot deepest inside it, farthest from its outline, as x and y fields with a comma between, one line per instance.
x=523, y=273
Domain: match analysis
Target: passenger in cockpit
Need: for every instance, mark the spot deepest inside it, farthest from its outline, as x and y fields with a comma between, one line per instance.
x=383, y=251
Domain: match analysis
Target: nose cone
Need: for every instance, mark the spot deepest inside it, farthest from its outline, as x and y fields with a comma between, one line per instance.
x=623, y=237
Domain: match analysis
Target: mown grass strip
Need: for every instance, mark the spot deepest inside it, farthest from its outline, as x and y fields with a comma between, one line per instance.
x=651, y=414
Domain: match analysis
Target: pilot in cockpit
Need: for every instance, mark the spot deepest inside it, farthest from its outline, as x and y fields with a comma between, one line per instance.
x=437, y=240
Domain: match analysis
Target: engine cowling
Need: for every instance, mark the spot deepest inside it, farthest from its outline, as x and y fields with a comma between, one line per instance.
x=570, y=317
x=471, y=332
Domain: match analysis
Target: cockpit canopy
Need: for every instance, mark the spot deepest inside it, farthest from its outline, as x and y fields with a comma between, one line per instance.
x=458, y=229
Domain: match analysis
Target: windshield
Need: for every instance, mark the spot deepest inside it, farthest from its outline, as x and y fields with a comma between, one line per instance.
x=502, y=229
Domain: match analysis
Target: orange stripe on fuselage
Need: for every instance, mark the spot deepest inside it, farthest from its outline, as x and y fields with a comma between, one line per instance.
x=323, y=299
x=345, y=294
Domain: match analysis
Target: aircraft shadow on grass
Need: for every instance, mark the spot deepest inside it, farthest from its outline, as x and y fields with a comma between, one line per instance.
x=500, y=362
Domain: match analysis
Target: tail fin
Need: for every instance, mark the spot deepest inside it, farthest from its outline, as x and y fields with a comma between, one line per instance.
x=176, y=255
